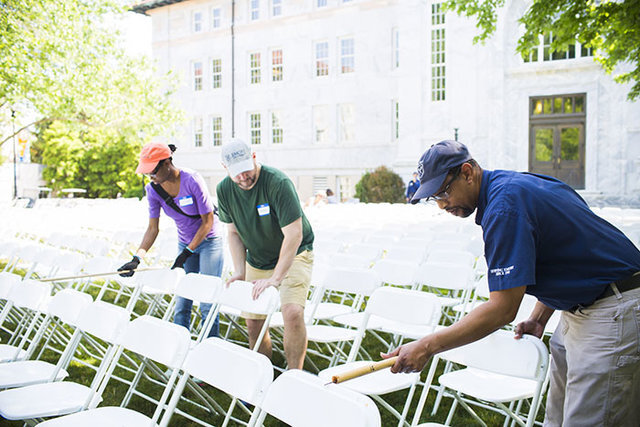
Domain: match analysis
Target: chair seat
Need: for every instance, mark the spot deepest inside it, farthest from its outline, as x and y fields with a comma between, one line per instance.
x=43, y=400
x=328, y=310
x=381, y=324
x=108, y=416
x=324, y=333
x=377, y=383
x=27, y=372
x=488, y=386
x=7, y=353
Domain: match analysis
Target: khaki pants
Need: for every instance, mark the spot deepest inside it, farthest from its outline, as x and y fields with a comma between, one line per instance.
x=595, y=366
x=295, y=286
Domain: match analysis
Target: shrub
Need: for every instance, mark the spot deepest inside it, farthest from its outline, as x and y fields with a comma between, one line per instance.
x=381, y=185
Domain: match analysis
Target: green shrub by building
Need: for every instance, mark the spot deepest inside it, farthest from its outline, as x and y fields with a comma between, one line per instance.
x=381, y=185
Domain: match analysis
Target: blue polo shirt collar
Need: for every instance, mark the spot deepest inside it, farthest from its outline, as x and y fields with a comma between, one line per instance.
x=482, y=197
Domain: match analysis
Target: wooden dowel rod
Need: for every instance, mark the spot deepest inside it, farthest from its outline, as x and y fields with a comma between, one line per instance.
x=84, y=276
x=363, y=370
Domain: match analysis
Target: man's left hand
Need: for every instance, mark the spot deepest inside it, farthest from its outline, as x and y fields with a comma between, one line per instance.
x=261, y=284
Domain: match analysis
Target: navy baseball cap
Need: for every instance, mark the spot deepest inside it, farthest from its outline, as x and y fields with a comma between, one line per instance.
x=434, y=166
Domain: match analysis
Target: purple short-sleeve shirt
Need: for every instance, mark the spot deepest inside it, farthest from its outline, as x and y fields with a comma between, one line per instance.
x=193, y=199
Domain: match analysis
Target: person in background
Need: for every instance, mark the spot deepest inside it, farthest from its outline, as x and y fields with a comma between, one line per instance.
x=183, y=196
x=541, y=238
x=271, y=243
x=331, y=198
x=412, y=187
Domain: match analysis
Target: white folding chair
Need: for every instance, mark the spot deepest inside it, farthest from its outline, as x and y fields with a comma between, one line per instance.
x=66, y=305
x=200, y=288
x=153, y=339
x=301, y=399
x=399, y=312
x=452, y=282
x=241, y=373
x=351, y=286
x=497, y=369
x=29, y=296
x=34, y=402
x=236, y=298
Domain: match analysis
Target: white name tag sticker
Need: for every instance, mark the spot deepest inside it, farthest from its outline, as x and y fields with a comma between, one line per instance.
x=263, y=209
x=185, y=201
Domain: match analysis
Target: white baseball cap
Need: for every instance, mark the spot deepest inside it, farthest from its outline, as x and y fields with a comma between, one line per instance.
x=236, y=156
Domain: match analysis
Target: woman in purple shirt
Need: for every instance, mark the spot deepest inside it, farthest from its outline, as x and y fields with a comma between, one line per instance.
x=199, y=241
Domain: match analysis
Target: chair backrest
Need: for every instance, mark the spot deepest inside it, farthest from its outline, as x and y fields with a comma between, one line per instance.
x=502, y=354
x=103, y=320
x=353, y=281
x=199, y=287
x=8, y=281
x=164, y=342
x=368, y=251
x=444, y=275
x=398, y=273
x=237, y=371
x=238, y=295
x=450, y=256
x=404, y=305
x=30, y=294
x=164, y=280
x=301, y=399
x=99, y=264
x=67, y=305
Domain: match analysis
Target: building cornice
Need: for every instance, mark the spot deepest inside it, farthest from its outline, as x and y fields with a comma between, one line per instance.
x=144, y=6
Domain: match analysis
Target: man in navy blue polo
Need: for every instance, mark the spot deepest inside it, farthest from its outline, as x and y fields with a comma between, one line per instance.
x=541, y=238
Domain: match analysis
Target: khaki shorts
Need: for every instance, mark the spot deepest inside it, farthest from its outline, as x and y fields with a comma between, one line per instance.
x=295, y=286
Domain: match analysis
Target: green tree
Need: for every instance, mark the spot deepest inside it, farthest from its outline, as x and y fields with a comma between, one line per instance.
x=381, y=185
x=62, y=61
x=611, y=28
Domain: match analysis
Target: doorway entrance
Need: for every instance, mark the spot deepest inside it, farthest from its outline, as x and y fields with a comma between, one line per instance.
x=556, y=137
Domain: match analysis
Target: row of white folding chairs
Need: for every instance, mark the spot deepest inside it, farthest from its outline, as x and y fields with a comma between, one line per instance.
x=153, y=338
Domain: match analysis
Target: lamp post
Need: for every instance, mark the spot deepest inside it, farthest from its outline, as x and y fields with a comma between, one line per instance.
x=15, y=179
x=455, y=134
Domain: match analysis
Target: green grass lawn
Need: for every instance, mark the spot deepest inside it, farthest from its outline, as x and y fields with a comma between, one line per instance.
x=115, y=391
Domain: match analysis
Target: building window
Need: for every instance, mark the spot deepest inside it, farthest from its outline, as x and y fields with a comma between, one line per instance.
x=277, y=134
x=254, y=128
x=255, y=9
x=395, y=48
x=545, y=51
x=437, y=53
x=197, y=132
x=216, y=73
x=254, y=66
x=276, y=65
x=322, y=58
x=197, y=22
x=197, y=76
x=216, y=131
x=321, y=3
x=346, y=123
x=395, y=114
x=276, y=7
x=216, y=17
x=347, y=56
x=320, y=115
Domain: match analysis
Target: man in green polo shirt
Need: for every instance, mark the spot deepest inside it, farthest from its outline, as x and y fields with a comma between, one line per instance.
x=270, y=240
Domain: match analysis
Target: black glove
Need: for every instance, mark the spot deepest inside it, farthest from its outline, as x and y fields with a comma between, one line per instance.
x=179, y=262
x=131, y=265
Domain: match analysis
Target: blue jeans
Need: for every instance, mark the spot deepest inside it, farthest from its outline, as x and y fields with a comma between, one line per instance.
x=206, y=259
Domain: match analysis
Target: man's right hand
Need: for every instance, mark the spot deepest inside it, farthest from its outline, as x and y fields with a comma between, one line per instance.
x=531, y=327
x=131, y=265
x=233, y=279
